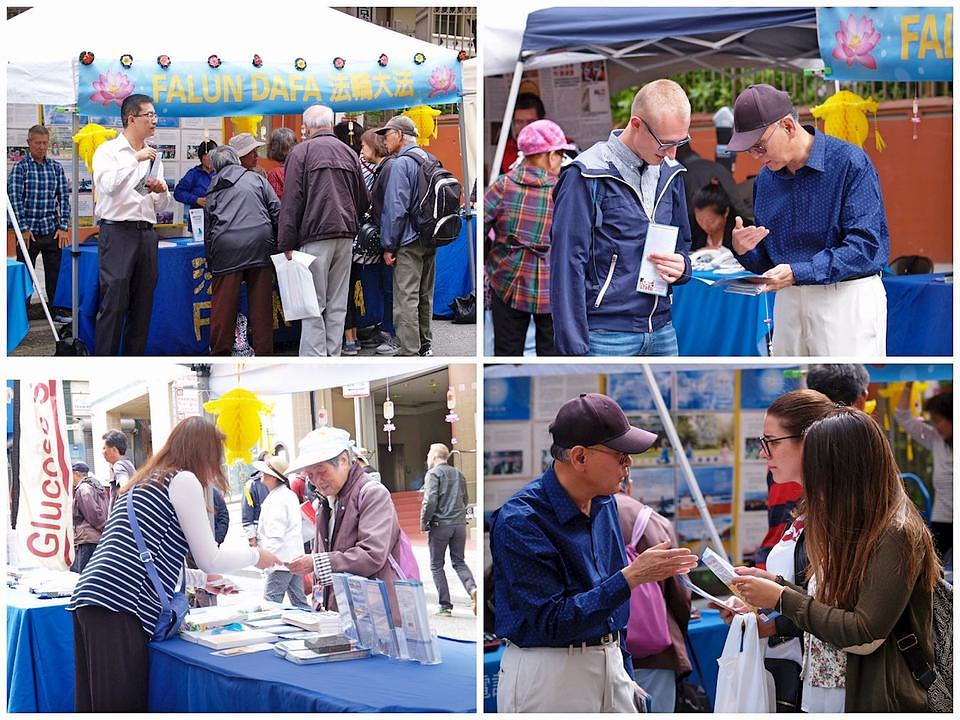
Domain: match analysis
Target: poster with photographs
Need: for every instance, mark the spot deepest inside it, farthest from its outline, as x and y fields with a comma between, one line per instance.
x=716, y=486
x=58, y=115
x=753, y=486
x=632, y=392
x=166, y=142
x=751, y=529
x=20, y=115
x=507, y=448
x=17, y=148
x=656, y=487
x=707, y=438
x=552, y=391
x=759, y=388
x=705, y=390
x=202, y=123
x=542, y=440
x=661, y=453
x=693, y=533
x=191, y=138
x=506, y=398
x=751, y=428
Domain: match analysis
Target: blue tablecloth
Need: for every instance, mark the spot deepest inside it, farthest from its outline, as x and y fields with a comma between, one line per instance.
x=707, y=635
x=19, y=290
x=919, y=315
x=39, y=654
x=184, y=677
x=180, y=323
x=710, y=322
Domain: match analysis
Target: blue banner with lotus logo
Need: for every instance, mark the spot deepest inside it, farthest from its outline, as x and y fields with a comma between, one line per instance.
x=198, y=89
x=889, y=43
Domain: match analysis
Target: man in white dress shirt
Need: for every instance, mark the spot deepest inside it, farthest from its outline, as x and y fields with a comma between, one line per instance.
x=128, y=177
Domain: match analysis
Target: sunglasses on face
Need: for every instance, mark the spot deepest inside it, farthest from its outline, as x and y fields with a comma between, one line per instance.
x=622, y=457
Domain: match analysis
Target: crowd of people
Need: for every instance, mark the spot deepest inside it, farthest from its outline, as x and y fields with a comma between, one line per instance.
x=341, y=180
x=846, y=583
x=566, y=233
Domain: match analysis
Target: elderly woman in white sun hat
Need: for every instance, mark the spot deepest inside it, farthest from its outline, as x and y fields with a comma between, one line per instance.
x=358, y=531
x=279, y=531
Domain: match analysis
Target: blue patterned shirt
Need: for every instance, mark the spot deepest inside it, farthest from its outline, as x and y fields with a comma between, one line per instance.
x=826, y=221
x=557, y=572
x=39, y=195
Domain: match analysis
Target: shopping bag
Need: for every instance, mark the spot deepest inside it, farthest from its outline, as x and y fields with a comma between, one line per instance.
x=297, y=292
x=743, y=684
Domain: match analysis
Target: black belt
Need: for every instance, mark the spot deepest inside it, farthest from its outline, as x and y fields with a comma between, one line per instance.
x=136, y=224
x=608, y=639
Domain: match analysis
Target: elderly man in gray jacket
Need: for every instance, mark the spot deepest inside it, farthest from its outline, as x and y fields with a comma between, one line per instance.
x=443, y=516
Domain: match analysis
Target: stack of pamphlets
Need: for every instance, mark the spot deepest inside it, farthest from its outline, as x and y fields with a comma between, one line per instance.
x=298, y=652
x=324, y=623
x=422, y=644
x=228, y=636
x=210, y=617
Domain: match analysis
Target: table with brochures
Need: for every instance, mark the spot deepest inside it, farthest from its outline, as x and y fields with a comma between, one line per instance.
x=184, y=677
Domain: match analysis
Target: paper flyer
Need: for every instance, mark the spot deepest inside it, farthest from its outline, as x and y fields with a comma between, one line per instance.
x=685, y=581
x=660, y=239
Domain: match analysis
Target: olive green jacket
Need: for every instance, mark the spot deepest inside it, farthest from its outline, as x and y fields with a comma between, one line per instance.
x=880, y=681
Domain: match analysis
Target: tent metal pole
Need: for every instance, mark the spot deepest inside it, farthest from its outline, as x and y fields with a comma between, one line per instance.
x=75, y=231
x=507, y=121
x=468, y=214
x=671, y=431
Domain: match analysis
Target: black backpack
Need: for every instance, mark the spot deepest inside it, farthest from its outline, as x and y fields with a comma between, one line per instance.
x=436, y=214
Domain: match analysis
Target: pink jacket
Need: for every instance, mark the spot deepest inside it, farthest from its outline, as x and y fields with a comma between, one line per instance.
x=364, y=534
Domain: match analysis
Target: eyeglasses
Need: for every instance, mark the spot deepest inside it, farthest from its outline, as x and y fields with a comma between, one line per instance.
x=664, y=145
x=146, y=115
x=622, y=457
x=760, y=148
x=766, y=442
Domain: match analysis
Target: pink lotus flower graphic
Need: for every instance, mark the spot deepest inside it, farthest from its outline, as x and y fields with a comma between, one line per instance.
x=855, y=40
x=112, y=87
x=443, y=80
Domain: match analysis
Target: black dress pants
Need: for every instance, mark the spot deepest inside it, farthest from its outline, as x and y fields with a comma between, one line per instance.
x=128, y=277
x=111, y=661
x=510, y=329
x=45, y=246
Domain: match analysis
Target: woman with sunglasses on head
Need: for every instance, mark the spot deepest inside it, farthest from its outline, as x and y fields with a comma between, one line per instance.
x=115, y=605
x=872, y=561
x=781, y=445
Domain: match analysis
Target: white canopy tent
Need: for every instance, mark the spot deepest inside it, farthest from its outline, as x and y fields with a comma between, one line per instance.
x=42, y=46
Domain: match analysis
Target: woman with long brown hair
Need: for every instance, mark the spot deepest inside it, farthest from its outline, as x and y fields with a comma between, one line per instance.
x=115, y=604
x=871, y=560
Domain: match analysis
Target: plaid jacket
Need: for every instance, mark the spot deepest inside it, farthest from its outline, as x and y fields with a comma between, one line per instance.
x=39, y=195
x=518, y=208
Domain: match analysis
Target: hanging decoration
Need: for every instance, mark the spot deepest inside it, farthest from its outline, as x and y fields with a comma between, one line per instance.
x=388, y=410
x=126, y=60
x=163, y=61
x=915, y=118
x=238, y=418
x=247, y=123
x=323, y=417
x=844, y=115
x=89, y=138
x=383, y=60
x=86, y=57
x=452, y=416
x=257, y=61
x=214, y=61
x=339, y=63
x=419, y=59
x=424, y=118
x=300, y=64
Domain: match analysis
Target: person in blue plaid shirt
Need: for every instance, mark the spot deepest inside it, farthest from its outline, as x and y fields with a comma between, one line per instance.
x=40, y=198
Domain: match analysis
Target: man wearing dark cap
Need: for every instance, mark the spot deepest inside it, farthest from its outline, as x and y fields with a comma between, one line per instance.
x=821, y=236
x=90, y=508
x=414, y=266
x=561, y=577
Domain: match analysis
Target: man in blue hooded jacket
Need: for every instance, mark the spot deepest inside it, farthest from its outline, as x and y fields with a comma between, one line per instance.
x=604, y=204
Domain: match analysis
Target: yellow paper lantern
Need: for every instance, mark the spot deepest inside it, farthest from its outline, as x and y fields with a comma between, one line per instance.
x=89, y=138
x=238, y=418
x=844, y=115
x=247, y=124
x=424, y=117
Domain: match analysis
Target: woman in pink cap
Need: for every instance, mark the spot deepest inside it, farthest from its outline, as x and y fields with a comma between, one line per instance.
x=518, y=210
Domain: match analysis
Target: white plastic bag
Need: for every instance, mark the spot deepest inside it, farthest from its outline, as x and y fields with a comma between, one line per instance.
x=743, y=684
x=297, y=291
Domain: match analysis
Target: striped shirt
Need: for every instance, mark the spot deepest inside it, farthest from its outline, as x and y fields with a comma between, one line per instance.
x=39, y=195
x=518, y=208
x=116, y=578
